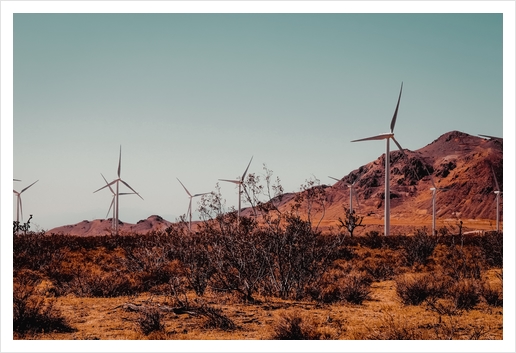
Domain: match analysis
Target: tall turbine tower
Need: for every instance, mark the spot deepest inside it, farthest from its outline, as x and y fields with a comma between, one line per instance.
x=434, y=192
x=118, y=181
x=239, y=182
x=498, y=192
x=19, y=202
x=190, y=204
x=387, y=136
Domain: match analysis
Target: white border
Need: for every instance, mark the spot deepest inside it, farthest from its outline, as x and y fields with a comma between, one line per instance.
x=10, y=7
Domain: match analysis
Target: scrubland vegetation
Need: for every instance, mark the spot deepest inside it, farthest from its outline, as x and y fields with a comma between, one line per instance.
x=277, y=278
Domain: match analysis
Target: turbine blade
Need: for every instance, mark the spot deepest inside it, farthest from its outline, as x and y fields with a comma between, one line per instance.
x=243, y=175
x=184, y=187
x=393, y=121
x=232, y=181
x=16, y=180
x=356, y=196
x=490, y=137
x=111, y=205
x=119, y=161
x=377, y=137
x=29, y=186
x=105, y=186
x=108, y=184
x=21, y=208
x=496, y=181
x=204, y=193
x=399, y=146
x=131, y=188
x=432, y=180
x=333, y=178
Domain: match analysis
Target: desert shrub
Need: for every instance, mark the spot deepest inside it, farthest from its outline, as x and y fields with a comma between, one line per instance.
x=150, y=320
x=32, y=312
x=491, y=246
x=381, y=265
x=414, y=289
x=355, y=287
x=465, y=294
x=419, y=248
x=293, y=326
x=216, y=319
x=459, y=262
x=492, y=296
x=372, y=239
x=393, y=327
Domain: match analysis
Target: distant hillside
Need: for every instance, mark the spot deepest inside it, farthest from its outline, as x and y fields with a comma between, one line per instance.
x=103, y=227
x=456, y=161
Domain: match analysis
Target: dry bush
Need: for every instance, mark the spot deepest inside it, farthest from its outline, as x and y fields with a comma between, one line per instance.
x=493, y=296
x=459, y=262
x=393, y=327
x=216, y=319
x=150, y=320
x=419, y=248
x=415, y=289
x=294, y=326
x=32, y=312
x=353, y=287
x=465, y=294
x=381, y=264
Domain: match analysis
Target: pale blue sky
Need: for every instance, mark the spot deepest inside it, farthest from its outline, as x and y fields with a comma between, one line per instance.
x=194, y=96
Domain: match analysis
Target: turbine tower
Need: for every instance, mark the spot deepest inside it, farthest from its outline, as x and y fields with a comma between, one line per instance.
x=387, y=136
x=434, y=190
x=352, y=192
x=117, y=181
x=19, y=202
x=239, y=182
x=190, y=204
x=498, y=192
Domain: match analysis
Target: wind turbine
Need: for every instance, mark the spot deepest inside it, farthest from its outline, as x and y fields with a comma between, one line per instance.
x=434, y=192
x=387, y=136
x=351, y=193
x=113, y=201
x=190, y=204
x=497, y=192
x=19, y=202
x=117, y=193
x=239, y=182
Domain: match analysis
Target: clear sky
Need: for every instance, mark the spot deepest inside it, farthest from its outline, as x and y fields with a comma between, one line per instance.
x=194, y=96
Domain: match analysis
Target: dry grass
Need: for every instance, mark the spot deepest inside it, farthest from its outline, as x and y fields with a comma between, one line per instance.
x=383, y=316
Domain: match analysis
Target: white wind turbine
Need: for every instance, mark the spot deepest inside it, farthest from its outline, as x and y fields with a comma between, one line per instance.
x=190, y=203
x=498, y=192
x=239, y=182
x=19, y=202
x=387, y=136
x=117, y=193
x=352, y=192
x=434, y=190
x=113, y=201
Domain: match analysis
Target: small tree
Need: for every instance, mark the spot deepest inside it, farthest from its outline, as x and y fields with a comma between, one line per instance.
x=351, y=221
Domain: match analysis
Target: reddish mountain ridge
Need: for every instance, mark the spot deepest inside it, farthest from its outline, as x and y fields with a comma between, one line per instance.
x=103, y=227
x=459, y=162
